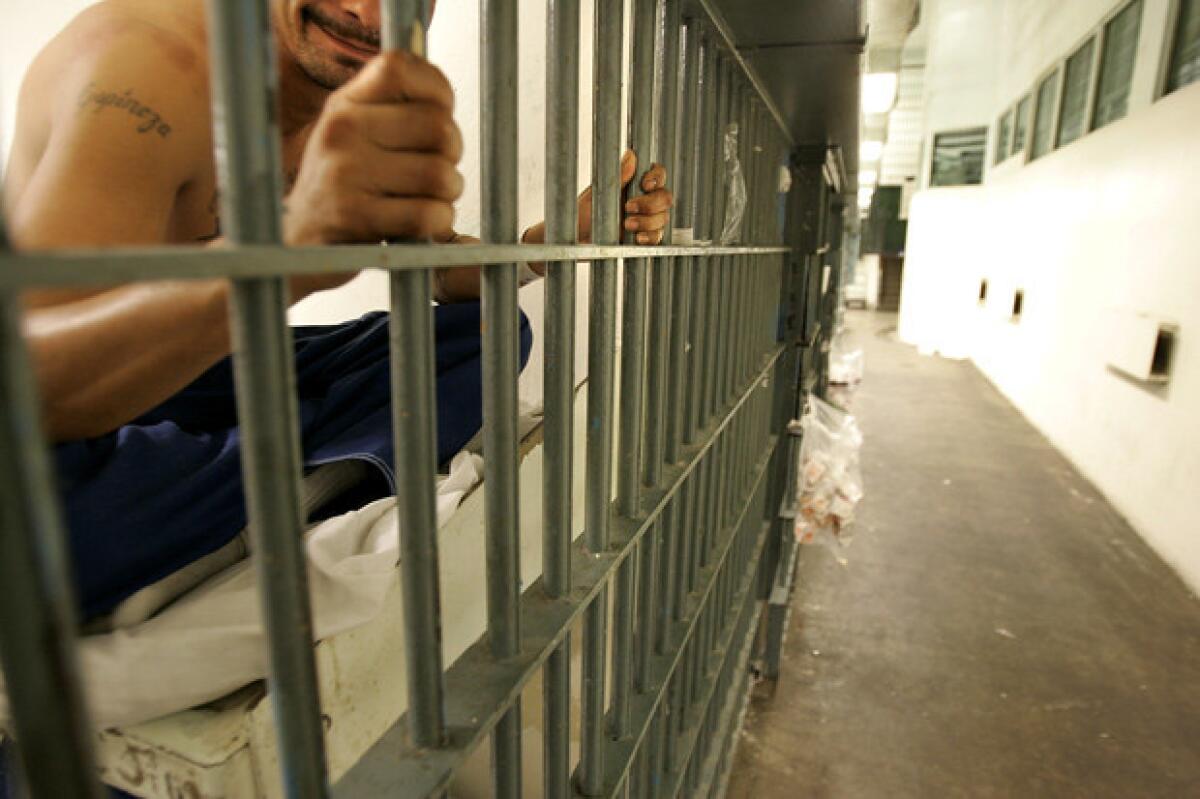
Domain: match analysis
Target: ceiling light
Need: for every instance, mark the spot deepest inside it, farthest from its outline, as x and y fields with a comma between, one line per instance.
x=878, y=92
x=870, y=150
x=868, y=177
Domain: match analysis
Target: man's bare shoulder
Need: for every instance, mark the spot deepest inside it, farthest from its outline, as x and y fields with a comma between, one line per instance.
x=115, y=106
x=137, y=65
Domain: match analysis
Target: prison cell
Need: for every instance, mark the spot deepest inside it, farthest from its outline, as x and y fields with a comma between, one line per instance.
x=719, y=343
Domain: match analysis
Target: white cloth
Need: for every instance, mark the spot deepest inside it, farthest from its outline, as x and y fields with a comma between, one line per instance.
x=212, y=641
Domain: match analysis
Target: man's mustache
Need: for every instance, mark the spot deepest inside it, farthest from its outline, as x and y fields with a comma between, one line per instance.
x=345, y=29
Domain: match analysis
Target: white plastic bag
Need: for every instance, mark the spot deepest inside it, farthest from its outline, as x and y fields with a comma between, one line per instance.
x=735, y=207
x=845, y=361
x=830, y=478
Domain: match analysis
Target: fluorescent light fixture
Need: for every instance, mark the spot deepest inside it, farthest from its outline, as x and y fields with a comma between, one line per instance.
x=878, y=92
x=870, y=151
x=868, y=177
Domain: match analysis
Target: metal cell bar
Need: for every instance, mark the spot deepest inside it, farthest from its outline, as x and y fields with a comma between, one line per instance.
x=728, y=305
x=37, y=603
x=562, y=103
x=606, y=184
x=684, y=540
x=645, y=706
x=414, y=421
x=478, y=687
x=647, y=606
x=663, y=270
x=701, y=197
x=249, y=175
x=720, y=195
x=633, y=312
x=622, y=648
x=115, y=266
x=633, y=362
x=684, y=171
x=687, y=768
x=501, y=365
x=562, y=136
x=669, y=572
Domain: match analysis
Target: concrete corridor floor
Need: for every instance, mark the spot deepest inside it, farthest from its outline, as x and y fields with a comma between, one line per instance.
x=998, y=630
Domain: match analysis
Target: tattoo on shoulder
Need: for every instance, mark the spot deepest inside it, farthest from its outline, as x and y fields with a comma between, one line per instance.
x=146, y=118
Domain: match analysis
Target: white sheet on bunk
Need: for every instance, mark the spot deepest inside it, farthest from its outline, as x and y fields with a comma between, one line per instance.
x=212, y=640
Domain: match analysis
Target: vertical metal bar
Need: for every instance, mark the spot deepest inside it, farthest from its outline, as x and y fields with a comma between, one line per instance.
x=622, y=646
x=498, y=176
x=37, y=603
x=728, y=300
x=606, y=184
x=648, y=604
x=498, y=129
x=669, y=572
x=663, y=271
x=683, y=139
x=414, y=420
x=633, y=313
x=715, y=282
x=671, y=727
x=562, y=140
x=562, y=125
x=657, y=749
x=683, y=546
x=245, y=91
x=703, y=135
x=633, y=359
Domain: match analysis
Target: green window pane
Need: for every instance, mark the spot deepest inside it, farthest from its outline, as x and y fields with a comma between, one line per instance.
x=1116, y=65
x=1043, y=117
x=958, y=158
x=1021, y=125
x=1185, y=50
x=1075, y=93
x=1004, y=136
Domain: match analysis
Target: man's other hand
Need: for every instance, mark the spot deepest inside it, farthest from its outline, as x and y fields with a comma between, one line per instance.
x=382, y=159
x=646, y=214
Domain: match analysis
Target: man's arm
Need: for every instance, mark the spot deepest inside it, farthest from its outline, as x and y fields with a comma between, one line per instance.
x=125, y=131
x=379, y=164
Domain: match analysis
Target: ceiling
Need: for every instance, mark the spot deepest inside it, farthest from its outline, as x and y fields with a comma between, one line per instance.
x=809, y=56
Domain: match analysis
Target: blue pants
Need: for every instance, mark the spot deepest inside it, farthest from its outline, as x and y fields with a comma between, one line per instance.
x=166, y=489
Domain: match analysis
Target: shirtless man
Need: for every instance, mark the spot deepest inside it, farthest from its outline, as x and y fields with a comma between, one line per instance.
x=114, y=147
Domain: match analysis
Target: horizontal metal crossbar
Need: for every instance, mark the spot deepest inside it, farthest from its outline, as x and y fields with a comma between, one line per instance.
x=107, y=267
x=479, y=687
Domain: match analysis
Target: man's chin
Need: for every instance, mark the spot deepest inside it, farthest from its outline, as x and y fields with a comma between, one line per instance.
x=329, y=73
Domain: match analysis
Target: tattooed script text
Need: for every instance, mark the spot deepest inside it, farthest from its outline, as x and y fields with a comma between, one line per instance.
x=148, y=120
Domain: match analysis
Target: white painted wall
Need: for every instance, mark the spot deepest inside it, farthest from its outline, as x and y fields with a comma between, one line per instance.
x=1107, y=222
x=961, y=49
x=26, y=29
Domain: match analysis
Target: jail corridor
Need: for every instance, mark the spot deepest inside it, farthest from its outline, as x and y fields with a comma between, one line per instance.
x=996, y=629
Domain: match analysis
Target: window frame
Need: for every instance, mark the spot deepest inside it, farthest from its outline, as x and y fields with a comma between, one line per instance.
x=1101, y=41
x=1167, y=53
x=1004, y=143
x=983, y=166
x=1028, y=118
x=1095, y=38
x=1053, y=72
